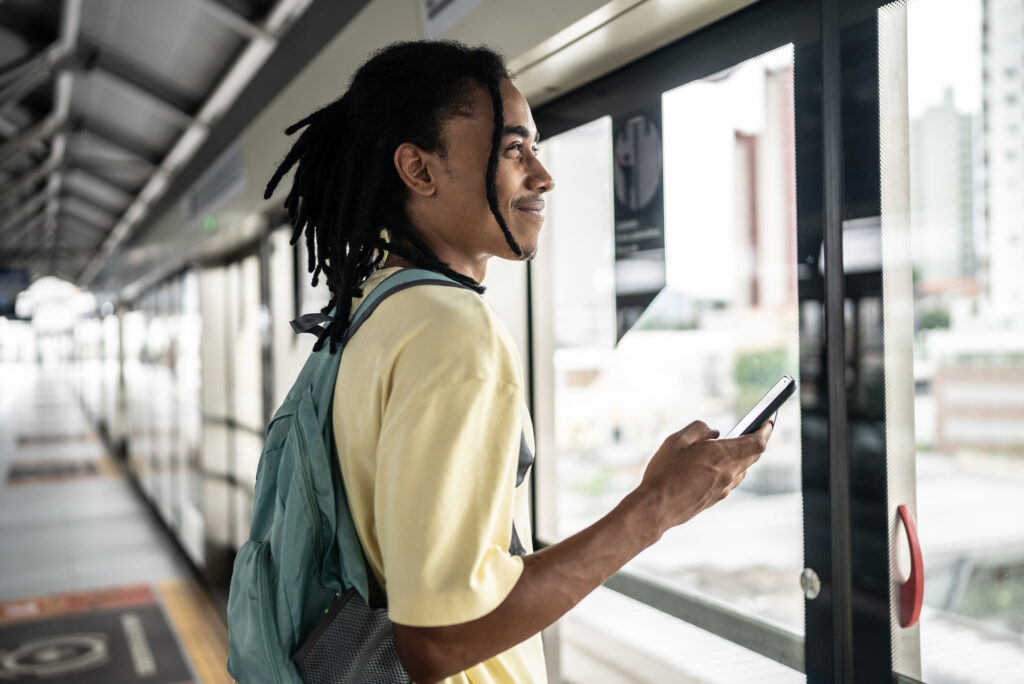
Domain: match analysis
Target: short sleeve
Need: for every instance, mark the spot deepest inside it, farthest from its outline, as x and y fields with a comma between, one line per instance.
x=444, y=492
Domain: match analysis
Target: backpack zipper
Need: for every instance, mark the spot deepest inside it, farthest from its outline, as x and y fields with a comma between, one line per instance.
x=308, y=489
x=268, y=642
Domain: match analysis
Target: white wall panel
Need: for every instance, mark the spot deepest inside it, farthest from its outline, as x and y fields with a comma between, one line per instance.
x=289, y=350
x=244, y=343
x=213, y=309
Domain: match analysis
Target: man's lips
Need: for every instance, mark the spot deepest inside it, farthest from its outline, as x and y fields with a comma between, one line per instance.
x=530, y=206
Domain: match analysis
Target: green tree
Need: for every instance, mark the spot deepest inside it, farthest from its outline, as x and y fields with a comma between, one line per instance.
x=934, y=318
x=755, y=373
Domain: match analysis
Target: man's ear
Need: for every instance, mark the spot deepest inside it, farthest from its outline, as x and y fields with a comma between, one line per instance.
x=414, y=167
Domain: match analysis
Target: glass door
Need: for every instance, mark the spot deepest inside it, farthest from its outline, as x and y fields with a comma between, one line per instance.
x=952, y=169
x=666, y=290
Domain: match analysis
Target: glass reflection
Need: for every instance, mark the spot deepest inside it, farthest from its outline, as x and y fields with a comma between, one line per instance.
x=720, y=334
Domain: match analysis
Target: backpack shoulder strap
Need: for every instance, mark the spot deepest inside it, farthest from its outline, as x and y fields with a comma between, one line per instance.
x=323, y=373
x=402, y=280
x=320, y=369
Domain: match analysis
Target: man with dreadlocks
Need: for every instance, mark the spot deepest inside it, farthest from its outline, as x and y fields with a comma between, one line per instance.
x=429, y=160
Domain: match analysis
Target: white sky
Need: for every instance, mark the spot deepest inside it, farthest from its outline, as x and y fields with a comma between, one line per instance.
x=700, y=120
x=944, y=51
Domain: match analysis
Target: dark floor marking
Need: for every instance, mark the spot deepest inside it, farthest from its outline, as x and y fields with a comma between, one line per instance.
x=118, y=635
x=33, y=472
x=45, y=438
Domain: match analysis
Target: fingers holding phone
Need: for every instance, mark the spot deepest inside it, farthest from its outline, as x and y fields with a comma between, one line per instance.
x=693, y=469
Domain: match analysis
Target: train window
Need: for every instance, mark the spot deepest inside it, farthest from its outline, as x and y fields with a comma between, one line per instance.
x=653, y=325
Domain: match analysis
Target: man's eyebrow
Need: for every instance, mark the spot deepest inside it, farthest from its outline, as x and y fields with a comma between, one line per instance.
x=521, y=131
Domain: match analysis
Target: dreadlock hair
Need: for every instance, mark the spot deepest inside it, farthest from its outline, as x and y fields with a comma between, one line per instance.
x=346, y=195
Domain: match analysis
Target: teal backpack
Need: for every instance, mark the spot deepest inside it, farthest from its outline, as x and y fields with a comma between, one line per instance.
x=303, y=606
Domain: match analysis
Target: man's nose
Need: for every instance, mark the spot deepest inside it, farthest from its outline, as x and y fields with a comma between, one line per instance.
x=539, y=179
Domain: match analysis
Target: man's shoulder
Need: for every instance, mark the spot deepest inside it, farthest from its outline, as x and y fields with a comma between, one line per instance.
x=439, y=309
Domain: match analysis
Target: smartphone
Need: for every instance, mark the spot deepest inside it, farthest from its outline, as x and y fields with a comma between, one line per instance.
x=765, y=408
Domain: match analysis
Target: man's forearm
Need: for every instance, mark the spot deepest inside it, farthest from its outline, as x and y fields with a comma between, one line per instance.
x=691, y=471
x=553, y=581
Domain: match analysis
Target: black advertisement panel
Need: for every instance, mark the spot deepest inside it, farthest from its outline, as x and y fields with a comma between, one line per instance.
x=639, y=214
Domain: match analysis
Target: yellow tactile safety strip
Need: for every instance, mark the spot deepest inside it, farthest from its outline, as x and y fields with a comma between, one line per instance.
x=201, y=629
x=107, y=466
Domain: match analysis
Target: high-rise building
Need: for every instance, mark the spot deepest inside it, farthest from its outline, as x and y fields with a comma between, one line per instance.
x=1003, y=111
x=941, y=188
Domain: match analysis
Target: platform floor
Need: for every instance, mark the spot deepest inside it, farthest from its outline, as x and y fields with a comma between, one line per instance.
x=92, y=589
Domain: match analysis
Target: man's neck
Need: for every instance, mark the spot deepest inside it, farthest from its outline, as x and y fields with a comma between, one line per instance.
x=394, y=260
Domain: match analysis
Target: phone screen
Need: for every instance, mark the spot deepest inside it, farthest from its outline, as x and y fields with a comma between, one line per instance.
x=765, y=408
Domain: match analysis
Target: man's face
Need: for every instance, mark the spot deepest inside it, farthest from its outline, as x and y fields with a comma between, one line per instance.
x=521, y=179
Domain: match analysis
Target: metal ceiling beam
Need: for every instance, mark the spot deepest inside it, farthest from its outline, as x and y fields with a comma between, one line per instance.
x=43, y=130
x=31, y=223
x=70, y=22
x=14, y=207
x=39, y=69
x=34, y=152
x=40, y=73
x=37, y=106
x=52, y=126
x=25, y=182
x=7, y=129
x=24, y=215
x=23, y=210
x=20, y=68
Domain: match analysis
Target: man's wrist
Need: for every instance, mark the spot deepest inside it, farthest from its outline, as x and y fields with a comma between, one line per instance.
x=644, y=508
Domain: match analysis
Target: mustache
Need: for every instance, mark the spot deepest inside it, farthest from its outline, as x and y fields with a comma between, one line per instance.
x=530, y=203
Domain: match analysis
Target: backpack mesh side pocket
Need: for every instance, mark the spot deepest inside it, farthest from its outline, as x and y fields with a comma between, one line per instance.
x=352, y=643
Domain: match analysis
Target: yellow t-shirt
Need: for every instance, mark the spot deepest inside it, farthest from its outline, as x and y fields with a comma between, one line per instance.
x=430, y=423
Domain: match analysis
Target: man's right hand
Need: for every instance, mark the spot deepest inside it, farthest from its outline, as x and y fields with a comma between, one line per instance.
x=693, y=470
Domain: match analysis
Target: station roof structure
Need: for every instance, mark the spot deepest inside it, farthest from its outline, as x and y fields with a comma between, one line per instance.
x=109, y=110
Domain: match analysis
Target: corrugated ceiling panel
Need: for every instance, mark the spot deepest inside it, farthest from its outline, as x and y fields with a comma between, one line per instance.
x=96, y=98
x=178, y=42
x=102, y=193
x=89, y=212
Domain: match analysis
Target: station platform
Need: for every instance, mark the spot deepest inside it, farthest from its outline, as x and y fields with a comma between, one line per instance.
x=92, y=588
